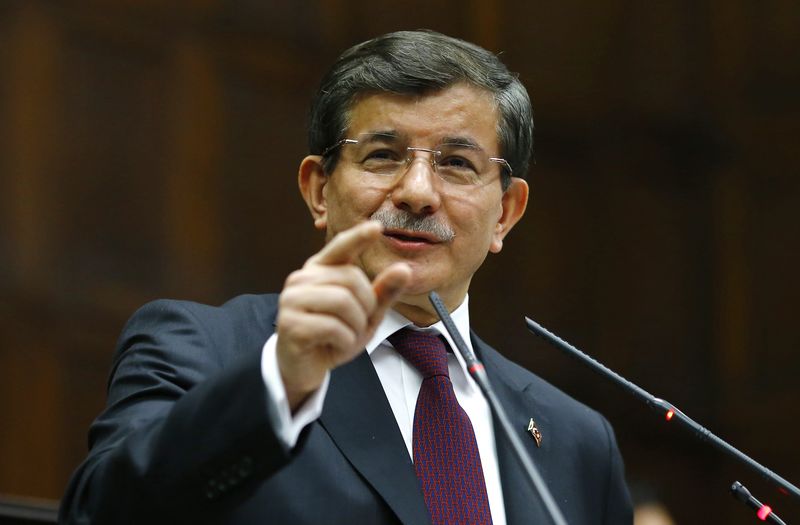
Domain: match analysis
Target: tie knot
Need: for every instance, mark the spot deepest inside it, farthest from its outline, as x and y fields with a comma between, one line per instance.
x=425, y=350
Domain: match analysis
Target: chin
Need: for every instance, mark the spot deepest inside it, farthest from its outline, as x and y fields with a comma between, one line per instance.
x=421, y=289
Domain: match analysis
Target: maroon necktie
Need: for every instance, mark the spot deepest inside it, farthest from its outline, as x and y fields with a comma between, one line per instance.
x=446, y=457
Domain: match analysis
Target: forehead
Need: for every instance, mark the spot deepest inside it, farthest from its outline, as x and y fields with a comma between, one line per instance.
x=460, y=110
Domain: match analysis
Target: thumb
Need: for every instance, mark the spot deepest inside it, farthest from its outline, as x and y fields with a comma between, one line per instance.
x=388, y=285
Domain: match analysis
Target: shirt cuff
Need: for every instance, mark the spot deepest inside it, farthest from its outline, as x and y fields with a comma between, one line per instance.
x=288, y=426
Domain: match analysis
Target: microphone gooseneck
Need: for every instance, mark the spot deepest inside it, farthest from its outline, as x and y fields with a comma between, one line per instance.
x=478, y=373
x=667, y=409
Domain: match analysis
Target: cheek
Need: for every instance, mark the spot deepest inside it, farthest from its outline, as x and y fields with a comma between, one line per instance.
x=474, y=219
x=349, y=203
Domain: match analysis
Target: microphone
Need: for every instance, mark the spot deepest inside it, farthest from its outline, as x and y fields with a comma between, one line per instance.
x=478, y=373
x=764, y=512
x=668, y=410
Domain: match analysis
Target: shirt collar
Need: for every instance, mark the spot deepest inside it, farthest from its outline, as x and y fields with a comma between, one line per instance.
x=393, y=321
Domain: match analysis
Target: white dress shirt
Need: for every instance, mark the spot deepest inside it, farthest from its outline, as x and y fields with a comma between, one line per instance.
x=401, y=383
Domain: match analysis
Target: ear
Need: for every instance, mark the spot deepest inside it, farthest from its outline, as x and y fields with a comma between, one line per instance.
x=514, y=202
x=311, y=179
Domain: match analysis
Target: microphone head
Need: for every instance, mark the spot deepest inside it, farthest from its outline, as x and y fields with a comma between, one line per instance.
x=740, y=492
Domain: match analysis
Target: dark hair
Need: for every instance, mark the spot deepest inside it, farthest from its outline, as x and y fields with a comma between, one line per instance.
x=415, y=63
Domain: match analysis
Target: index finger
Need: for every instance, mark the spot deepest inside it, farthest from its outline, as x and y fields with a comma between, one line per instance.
x=347, y=245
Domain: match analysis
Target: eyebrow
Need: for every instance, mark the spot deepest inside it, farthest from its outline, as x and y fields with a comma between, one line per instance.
x=464, y=141
x=377, y=135
x=382, y=134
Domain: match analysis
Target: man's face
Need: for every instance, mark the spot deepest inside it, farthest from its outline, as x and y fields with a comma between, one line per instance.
x=477, y=216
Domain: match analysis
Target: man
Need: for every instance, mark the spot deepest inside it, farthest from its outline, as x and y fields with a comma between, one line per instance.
x=269, y=410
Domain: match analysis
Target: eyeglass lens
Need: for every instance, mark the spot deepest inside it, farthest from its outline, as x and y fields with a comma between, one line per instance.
x=387, y=155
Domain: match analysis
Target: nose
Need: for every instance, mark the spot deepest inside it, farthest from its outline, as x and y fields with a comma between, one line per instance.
x=417, y=188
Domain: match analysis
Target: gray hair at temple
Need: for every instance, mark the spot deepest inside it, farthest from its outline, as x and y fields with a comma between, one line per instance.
x=416, y=63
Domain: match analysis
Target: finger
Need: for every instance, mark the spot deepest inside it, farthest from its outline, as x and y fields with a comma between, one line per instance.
x=330, y=299
x=388, y=286
x=309, y=343
x=348, y=277
x=347, y=245
x=312, y=333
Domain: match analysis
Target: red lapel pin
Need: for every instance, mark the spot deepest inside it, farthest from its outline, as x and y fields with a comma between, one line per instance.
x=537, y=435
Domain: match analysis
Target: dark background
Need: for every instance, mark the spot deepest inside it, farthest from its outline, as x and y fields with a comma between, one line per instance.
x=150, y=148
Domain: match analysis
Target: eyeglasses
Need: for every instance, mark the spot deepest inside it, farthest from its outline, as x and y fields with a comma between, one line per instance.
x=385, y=155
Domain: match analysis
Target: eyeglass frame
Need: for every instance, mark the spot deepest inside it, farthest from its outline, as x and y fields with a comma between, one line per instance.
x=410, y=158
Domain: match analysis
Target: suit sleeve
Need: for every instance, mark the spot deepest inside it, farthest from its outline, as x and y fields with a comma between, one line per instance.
x=185, y=433
x=619, y=510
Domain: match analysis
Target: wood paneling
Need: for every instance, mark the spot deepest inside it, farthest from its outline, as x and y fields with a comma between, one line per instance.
x=31, y=73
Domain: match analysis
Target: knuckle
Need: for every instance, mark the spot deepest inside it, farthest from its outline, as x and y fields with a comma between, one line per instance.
x=356, y=275
x=294, y=277
x=342, y=297
x=288, y=297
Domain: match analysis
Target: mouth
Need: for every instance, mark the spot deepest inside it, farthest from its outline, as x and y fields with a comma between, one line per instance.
x=404, y=236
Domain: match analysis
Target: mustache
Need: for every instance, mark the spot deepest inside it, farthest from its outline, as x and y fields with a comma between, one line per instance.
x=397, y=219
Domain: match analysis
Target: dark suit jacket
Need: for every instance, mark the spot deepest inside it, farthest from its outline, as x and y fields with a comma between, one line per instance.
x=186, y=436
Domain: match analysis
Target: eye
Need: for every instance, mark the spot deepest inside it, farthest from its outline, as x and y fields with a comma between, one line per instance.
x=456, y=162
x=381, y=155
x=381, y=160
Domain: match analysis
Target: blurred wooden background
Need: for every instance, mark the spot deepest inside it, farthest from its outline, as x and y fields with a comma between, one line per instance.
x=149, y=149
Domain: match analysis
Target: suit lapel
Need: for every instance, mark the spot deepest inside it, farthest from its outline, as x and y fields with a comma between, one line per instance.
x=359, y=420
x=521, y=502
